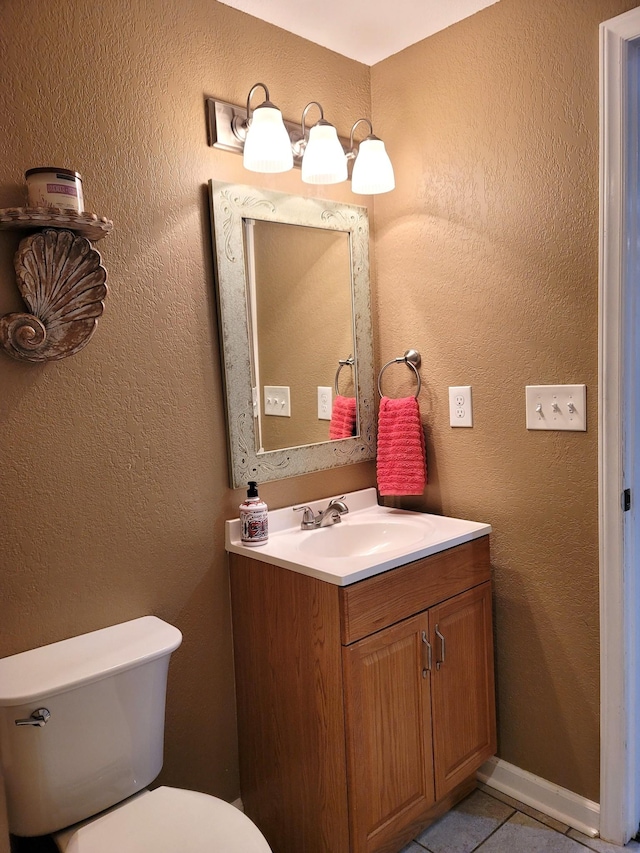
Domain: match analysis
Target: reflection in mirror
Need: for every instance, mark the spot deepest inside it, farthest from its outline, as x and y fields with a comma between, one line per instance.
x=294, y=310
x=302, y=322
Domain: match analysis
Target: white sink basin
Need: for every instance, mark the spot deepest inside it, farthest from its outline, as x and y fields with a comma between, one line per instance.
x=357, y=538
x=370, y=539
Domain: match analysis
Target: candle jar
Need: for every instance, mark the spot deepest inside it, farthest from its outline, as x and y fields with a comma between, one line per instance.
x=49, y=186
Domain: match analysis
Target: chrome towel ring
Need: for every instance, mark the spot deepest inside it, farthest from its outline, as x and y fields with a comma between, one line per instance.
x=412, y=359
x=342, y=362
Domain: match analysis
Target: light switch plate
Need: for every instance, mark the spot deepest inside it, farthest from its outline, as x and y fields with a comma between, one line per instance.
x=562, y=407
x=277, y=400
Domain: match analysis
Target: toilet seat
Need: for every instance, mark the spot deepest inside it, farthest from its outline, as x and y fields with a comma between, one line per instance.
x=166, y=820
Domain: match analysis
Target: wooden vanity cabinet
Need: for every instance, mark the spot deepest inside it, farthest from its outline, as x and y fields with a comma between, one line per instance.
x=365, y=710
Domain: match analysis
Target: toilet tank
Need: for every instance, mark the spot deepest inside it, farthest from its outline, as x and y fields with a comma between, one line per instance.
x=105, y=693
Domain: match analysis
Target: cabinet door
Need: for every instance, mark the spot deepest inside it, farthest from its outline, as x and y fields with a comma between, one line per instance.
x=463, y=700
x=389, y=745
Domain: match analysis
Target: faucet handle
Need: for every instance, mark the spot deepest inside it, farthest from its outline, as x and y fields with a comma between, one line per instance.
x=339, y=504
x=308, y=518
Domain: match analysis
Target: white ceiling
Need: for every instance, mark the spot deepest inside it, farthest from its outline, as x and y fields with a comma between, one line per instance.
x=365, y=30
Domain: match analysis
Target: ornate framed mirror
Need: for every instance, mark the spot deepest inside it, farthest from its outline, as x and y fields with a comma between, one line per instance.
x=292, y=277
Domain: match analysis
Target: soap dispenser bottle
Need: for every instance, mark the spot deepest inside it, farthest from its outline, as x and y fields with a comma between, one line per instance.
x=254, y=518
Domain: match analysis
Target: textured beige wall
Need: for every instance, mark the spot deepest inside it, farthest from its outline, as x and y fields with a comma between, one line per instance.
x=487, y=263
x=114, y=472
x=114, y=461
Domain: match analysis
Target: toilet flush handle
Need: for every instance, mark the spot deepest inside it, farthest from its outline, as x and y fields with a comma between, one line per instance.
x=38, y=718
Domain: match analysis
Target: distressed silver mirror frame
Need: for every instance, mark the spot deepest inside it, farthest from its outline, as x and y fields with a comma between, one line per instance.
x=231, y=204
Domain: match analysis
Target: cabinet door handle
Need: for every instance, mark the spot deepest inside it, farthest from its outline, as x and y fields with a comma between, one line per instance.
x=441, y=659
x=426, y=651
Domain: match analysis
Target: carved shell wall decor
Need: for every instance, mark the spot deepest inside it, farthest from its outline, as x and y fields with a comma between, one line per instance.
x=62, y=281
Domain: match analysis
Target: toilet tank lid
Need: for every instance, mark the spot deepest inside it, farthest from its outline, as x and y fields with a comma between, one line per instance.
x=49, y=670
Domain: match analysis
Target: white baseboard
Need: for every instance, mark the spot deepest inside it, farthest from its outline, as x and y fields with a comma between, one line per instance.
x=567, y=807
x=560, y=803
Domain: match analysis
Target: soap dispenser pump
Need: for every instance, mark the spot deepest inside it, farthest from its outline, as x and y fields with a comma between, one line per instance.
x=254, y=518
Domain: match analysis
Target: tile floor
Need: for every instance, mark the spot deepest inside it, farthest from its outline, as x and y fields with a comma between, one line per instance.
x=487, y=822
x=490, y=822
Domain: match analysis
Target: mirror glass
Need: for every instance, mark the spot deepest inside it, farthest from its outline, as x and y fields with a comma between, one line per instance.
x=293, y=299
x=302, y=320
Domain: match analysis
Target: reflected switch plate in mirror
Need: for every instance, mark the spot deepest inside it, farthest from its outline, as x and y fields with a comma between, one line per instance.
x=277, y=400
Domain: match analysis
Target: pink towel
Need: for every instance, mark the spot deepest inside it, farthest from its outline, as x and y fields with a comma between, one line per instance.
x=343, y=417
x=401, y=465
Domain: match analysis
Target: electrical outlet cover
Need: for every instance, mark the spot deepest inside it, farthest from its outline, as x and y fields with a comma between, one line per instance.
x=460, y=406
x=325, y=402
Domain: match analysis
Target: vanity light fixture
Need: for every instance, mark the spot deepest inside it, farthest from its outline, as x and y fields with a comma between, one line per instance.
x=323, y=158
x=372, y=170
x=266, y=146
x=270, y=143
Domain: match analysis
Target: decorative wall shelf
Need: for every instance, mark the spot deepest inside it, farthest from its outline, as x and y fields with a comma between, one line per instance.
x=61, y=279
x=87, y=224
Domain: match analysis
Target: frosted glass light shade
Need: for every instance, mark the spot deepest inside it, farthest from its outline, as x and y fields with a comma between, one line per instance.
x=324, y=160
x=267, y=147
x=372, y=171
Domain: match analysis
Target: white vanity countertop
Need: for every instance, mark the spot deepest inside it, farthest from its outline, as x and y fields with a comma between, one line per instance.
x=369, y=540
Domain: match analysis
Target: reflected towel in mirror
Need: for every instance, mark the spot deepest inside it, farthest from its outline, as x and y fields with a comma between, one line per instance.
x=343, y=417
x=401, y=458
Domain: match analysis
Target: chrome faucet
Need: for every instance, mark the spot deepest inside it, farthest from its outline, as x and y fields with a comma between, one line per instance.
x=331, y=514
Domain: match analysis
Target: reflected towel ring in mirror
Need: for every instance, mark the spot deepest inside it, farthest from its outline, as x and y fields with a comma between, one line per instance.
x=342, y=362
x=412, y=359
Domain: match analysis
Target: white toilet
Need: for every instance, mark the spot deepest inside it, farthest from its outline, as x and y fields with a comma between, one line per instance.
x=81, y=736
